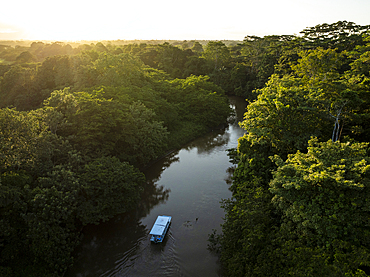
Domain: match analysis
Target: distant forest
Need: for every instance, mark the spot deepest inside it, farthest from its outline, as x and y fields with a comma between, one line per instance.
x=79, y=121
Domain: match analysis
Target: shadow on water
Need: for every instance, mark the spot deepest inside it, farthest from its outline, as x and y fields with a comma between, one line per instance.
x=121, y=246
x=220, y=136
x=117, y=241
x=239, y=109
x=207, y=143
x=152, y=195
x=157, y=168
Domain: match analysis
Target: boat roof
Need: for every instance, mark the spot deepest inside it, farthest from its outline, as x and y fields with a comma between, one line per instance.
x=160, y=225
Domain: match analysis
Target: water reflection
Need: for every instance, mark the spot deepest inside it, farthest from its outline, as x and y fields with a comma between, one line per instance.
x=122, y=234
x=118, y=241
x=155, y=170
x=209, y=142
x=230, y=171
x=152, y=195
x=188, y=184
x=239, y=109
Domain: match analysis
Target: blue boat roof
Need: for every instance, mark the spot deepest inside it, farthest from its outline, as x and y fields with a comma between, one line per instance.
x=160, y=225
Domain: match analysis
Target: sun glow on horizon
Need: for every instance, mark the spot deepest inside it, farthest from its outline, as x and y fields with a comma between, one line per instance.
x=163, y=19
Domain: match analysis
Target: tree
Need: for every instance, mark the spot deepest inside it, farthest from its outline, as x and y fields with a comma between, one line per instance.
x=310, y=217
x=56, y=72
x=145, y=138
x=217, y=53
x=248, y=228
x=13, y=203
x=285, y=116
x=197, y=47
x=195, y=66
x=358, y=78
x=323, y=196
x=25, y=57
x=108, y=187
x=17, y=88
x=100, y=47
x=18, y=139
x=258, y=57
x=199, y=101
x=51, y=219
x=172, y=59
x=325, y=191
x=104, y=126
x=343, y=35
x=116, y=70
x=319, y=69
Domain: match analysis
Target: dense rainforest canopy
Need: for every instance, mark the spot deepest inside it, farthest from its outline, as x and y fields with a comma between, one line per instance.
x=76, y=129
x=79, y=122
x=300, y=204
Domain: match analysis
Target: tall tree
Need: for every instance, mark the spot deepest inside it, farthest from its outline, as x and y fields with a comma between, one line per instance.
x=217, y=53
x=342, y=35
x=285, y=115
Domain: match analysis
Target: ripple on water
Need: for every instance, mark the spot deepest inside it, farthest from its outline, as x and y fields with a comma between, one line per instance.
x=195, y=179
x=148, y=259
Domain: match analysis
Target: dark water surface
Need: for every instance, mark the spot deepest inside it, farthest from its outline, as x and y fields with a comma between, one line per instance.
x=188, y=185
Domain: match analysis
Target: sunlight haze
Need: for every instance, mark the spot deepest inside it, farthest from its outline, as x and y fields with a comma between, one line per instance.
x=165, y=19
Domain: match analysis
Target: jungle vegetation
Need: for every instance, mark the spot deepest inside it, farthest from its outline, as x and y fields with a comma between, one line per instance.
x=76, y=130
x=78, y=123
x=300, y=204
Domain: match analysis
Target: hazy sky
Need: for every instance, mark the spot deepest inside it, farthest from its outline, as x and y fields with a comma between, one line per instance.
x=169, y=19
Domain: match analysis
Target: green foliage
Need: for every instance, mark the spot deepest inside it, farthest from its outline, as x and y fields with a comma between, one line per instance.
x=17, y=88
x=199, y=101
x=285, y=115
x=18, y=134
x=42, y=225
x=55, y=72
x=65, y=200
x=100, y=126
x=108, y=187
x=343, y=35
x=361, y=57
x=249, y=215
x=311, y=222
x=171, y=59
x=74, y=161
x=324, y=192
x=197, y=47
x=358, y=80
x=100, y=109
x=245, y=230
x=307, y=215
x=318, y=66
x=12, y=205
x=50, y=222
x=42, y=201
x=25, y=57
x=116, y=70
x=258, y=56
x=216, y=53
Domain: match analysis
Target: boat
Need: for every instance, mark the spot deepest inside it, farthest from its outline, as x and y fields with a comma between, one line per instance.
x=160, y=228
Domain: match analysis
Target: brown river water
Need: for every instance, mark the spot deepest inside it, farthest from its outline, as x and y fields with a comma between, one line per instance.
x=188, y=185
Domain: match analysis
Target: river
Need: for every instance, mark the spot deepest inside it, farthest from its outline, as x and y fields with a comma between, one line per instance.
x=187, y=184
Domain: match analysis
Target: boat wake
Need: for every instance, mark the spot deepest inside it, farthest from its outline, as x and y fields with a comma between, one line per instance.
x=148, y=259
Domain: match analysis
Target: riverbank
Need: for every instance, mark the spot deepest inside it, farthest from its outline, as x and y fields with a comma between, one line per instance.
x=187, y=184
